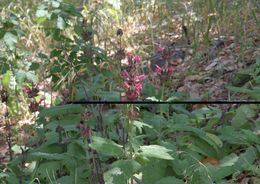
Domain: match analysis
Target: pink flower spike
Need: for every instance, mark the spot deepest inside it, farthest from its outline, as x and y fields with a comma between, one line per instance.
x=139, y=78
x=161, y=49
x=158, y=69
x=125, y=85
x=138, y=87
x=170, y=69
x=125, y=74
x=129, y=56
x=137, y=58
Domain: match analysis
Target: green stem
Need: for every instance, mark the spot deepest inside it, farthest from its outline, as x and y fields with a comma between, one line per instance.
x=162, y=97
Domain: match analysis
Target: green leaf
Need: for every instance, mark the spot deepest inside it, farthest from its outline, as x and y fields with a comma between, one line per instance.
x=246, y=159
x=110, y=95
x=170, y=180
x=6, y=80
x=62, y=110
x=48, y=156
x=139, y=125
x=243, y=113
x=229, y=160
x=66, y=180
x=106, y=146
x=180, y=118
x=55, y=4
x=238, y=89
x=154, y=170
x=109, y=117
x=21, y=76
x=218, y=173
x=10, y=40
x=42, y=13
x=34, y=66
x=121, y=171
x=48, y=170
x=215, y=139
x=249, y=136
x=156, y=151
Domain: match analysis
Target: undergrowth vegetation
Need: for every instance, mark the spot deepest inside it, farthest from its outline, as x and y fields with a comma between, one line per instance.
x=57, y=52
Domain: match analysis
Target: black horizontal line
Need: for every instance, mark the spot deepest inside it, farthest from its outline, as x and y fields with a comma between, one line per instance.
x=165, y=102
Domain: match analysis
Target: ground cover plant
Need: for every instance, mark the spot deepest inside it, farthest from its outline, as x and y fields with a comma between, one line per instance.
x=55, y=52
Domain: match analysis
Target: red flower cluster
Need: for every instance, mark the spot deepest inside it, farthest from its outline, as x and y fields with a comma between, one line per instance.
x=84, y=131
x=132, y=81
x=163, y=70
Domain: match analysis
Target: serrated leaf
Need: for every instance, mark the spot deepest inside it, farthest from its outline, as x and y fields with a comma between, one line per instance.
x=156, y=151
x=140, y=125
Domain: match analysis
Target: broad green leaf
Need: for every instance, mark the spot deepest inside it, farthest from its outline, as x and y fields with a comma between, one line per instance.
x=62, y=110
x=156, y=151
x=9, y=177
x=215, y=139
x=217, y=173
x=10, y=40
x=106, y=146
x=154, y=120
x=154, y=170
x=48, y=169
x=3, y=175
x=109, y=117
x=121, y=171
x=229, y=160
x=201, y=146
x=243, y=113
x=66, y=180
x=249, y=136
x=246, y=159
x=180, y=118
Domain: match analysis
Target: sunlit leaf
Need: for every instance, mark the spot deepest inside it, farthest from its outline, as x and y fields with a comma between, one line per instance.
x=156, y=151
